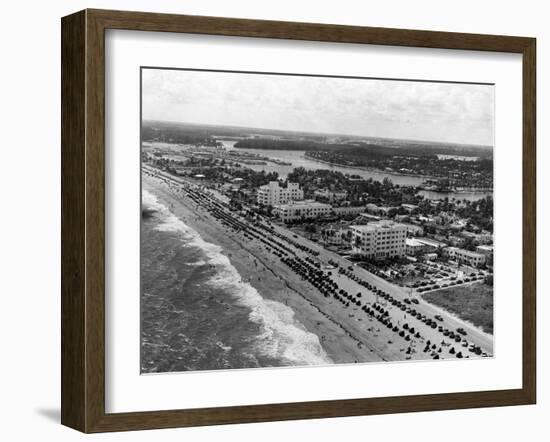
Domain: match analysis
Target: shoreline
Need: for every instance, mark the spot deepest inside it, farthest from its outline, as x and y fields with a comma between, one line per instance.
x=272, y=282
x=345, y=333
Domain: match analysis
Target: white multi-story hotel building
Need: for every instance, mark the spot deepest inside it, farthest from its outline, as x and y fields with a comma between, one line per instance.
x=298, y=210
x=384, y=239
x=273, y=194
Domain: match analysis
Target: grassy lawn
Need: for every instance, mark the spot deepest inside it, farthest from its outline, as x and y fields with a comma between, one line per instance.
x=473, y=303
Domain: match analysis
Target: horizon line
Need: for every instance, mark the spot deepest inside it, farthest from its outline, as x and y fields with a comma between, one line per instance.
x=319, y=133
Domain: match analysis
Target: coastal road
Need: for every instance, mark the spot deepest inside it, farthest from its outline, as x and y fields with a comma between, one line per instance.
x=474, y=335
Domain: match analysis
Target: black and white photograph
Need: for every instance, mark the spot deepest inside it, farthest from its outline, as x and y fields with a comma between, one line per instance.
x=241, y=221
x=305, y=220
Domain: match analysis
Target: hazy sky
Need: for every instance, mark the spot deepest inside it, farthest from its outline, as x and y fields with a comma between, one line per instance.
x=459, y=113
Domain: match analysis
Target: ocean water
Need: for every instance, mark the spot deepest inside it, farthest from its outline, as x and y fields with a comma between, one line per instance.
x=198, y=314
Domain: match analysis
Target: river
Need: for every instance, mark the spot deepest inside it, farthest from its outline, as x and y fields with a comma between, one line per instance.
x=298, y=159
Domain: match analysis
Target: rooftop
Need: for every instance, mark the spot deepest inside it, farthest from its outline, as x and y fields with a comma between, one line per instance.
x=485, y=248
x=413, y=242
x=304, y=203
x=371, y=227
x=465, y=252
x=430, y=242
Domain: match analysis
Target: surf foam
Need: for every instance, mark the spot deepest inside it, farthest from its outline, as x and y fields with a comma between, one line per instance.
x=282, y=337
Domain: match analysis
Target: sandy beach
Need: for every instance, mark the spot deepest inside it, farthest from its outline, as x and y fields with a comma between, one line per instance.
x=345, y=335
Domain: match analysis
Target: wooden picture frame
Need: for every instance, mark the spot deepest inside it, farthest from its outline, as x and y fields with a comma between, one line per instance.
x=83, y=220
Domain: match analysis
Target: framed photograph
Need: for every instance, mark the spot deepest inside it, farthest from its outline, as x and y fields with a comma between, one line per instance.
x=267, y=220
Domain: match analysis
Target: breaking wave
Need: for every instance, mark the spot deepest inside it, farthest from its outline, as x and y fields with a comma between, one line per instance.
x=282, y=336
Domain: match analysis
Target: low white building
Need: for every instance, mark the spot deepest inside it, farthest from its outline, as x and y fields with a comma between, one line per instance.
x=479, y=238
x=488, y=251
x=373, y=209
x=348, y=210
x=465, y=256
x=273, y=194
x=384, y=239
x=431, y=244
x=331, y=195
x=301, y=210
x=413, y=247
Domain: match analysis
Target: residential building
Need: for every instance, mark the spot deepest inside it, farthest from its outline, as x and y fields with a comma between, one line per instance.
x=273, y=194
x=488, y=251
x=413, y=247
x=373, y=209
x=384, y=239
x=301, y=210
x=465, y=256
x=431, y=244
x=479, y=238
x=348, y=210
x=331, y=195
